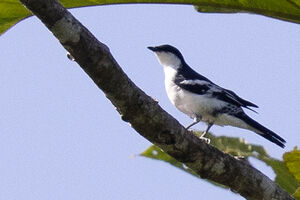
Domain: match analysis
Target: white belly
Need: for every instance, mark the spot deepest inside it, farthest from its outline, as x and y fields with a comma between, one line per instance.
x=192, y=104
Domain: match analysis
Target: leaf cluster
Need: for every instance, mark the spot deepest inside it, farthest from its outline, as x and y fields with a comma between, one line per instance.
x=287, y=171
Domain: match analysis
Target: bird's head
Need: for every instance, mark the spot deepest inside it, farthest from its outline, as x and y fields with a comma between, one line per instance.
x=168, y=56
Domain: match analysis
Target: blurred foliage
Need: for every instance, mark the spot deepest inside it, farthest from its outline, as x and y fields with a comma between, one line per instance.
x=237, y=147
x=12, y=11
x=156, y=153
x=292, y=161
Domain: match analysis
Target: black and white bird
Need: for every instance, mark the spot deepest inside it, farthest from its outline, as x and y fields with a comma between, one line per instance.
x=202, y=100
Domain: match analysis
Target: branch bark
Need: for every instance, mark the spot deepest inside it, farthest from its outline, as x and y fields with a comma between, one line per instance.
x=144, y=114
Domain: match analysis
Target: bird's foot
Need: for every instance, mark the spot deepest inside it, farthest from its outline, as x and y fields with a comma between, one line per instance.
x=201, y=137
x=206, y=140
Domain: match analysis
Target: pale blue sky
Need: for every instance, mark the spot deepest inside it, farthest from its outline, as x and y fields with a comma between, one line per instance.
x=62, y=139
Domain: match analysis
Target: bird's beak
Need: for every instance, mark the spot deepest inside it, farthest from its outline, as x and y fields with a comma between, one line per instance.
x=152, y=48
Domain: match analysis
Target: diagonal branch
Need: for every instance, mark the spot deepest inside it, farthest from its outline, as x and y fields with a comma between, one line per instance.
x=144, y=114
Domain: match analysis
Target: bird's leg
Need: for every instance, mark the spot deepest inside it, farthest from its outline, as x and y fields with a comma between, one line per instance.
x=207, y=140
x=196, y=120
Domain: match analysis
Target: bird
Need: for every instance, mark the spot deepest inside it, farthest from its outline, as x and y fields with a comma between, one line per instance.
x=202, y=100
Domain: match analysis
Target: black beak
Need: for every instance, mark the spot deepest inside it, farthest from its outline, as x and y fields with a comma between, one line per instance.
x=152, y=48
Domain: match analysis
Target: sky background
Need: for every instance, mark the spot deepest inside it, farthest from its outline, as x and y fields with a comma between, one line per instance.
x=62, y=139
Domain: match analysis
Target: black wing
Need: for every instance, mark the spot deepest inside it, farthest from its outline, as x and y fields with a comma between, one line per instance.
x=190, y=80
x=230, y=97
x=204, y=87
x=197, y=87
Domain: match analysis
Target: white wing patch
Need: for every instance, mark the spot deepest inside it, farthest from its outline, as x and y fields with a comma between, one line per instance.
x=194, y=82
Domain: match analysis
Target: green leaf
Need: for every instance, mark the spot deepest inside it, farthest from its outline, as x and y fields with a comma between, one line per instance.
x=292, y=161
x=156, y=153
x=297, y=194
x=288, y=10
x=283, y=177
x=236, y=147
x=12, y=11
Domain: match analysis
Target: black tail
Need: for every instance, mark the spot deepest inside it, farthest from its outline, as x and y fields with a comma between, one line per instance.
x=262, y=131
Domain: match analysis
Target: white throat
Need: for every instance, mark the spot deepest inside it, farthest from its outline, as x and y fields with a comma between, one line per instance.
x=170, y=74
x=168, y=60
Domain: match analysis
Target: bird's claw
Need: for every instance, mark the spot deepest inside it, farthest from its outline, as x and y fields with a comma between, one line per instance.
x=206, y=140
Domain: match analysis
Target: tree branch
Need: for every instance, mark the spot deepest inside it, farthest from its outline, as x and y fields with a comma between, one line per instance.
x=144, y=114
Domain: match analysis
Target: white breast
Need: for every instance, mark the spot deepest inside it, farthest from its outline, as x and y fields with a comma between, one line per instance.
x=189, y=103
